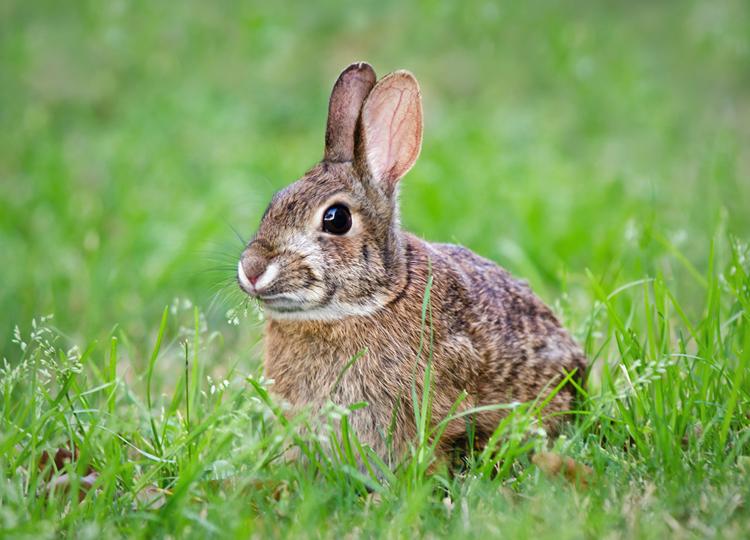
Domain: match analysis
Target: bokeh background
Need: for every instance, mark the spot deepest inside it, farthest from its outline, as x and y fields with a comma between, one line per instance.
x=141, y=140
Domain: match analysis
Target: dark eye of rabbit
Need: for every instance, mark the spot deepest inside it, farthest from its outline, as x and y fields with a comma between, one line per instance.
x=337, y=219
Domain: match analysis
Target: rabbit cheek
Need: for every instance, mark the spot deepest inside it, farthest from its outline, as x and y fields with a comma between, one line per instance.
x=341, y=257
x=360, y=283
x=301, y=281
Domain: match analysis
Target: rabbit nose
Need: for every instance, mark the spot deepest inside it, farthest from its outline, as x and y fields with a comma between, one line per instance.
x=251, y=267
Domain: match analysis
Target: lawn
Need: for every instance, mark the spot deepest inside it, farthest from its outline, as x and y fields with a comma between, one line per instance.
x=599, y=150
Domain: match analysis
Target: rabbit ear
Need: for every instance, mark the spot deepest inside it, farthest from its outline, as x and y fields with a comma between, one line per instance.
x=349, y=92
x=391, y=127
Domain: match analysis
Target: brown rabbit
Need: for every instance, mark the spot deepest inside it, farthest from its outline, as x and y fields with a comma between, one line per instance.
x=336, y=275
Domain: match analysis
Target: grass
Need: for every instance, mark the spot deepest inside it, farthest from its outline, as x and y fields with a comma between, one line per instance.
x=599, y=150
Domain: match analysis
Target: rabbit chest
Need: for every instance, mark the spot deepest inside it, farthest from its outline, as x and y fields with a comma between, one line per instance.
x=375, y=360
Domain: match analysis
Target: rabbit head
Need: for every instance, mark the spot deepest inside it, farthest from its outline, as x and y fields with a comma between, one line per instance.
x=329, y=245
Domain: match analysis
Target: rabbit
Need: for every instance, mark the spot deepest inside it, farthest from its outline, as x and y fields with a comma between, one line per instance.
x=336, y=277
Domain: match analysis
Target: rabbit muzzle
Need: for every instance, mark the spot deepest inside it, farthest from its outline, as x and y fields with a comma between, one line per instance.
x=255, y=273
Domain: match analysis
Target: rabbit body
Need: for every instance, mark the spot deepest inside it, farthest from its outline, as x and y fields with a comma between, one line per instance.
x=331, y=295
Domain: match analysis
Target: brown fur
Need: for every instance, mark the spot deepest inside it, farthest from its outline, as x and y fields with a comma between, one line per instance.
x=340, y=295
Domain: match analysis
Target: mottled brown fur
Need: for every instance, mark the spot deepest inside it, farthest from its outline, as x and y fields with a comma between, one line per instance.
x=335, y=296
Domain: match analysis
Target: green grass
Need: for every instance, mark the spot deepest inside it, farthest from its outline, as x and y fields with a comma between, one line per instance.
x=598, y=149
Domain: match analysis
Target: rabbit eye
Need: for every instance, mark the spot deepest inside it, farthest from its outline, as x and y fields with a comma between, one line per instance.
x=337, y=219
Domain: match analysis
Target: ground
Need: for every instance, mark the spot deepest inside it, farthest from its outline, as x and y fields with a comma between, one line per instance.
x=598, y=150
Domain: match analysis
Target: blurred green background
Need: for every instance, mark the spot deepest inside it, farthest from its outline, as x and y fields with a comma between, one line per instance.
x=559, y=137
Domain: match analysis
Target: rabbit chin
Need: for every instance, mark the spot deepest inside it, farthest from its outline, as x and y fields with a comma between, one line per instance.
x=332, y=311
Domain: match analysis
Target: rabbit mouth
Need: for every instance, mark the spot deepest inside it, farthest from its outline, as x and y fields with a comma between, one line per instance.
x=284, y=302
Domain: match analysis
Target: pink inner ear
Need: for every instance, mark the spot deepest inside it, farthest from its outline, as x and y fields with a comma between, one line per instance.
x=392, y=124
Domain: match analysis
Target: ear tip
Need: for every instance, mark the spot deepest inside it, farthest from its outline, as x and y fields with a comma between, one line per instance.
x=400, y=78
x=403, y=73
x=361, y=65
x=362, y=69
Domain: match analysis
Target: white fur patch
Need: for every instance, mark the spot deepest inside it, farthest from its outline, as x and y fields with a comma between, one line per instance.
x=243, y=277
x=293, y=299
x=332, y=312
x=267, y=277
x=375, y=161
